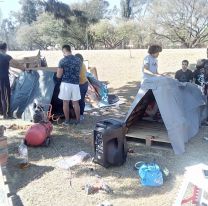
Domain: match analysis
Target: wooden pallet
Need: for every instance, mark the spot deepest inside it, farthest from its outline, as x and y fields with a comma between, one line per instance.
x=150, y=132
x=4, y=190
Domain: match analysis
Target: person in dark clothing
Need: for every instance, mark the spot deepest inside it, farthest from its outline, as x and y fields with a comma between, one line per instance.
x=83, y=85
x=5, y=62
x=184, y=74
x=200, y=74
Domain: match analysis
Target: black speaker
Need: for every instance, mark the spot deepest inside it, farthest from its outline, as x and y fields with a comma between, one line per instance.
x=110, y=145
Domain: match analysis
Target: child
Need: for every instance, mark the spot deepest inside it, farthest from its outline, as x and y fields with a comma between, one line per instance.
x=150, y=64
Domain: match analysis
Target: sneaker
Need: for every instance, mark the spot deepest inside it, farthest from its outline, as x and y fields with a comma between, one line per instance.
x=66, y=123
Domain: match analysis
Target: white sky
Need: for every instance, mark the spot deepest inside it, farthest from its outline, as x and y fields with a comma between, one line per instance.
x=12, y=5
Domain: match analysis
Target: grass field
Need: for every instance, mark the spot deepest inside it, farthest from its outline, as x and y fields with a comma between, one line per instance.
x=44, y=184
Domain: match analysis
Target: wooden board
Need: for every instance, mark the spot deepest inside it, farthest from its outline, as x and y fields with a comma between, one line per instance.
x=16, y=72
x=50, y=69
x=149, y=131
x=4, y=200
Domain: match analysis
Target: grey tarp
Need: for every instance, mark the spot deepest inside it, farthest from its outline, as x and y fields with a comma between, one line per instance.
x=180, y=105
x=30, y=87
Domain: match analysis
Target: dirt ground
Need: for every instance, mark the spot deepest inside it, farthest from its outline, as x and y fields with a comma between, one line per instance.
x=44, y=184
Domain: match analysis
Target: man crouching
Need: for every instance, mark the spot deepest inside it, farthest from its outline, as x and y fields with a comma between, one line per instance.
x=68, y=71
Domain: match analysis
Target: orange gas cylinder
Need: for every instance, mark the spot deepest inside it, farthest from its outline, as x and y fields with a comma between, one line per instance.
x=38, y=133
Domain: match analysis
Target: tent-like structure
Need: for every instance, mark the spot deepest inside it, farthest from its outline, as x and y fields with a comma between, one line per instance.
x=181, y=106
x=39, y=85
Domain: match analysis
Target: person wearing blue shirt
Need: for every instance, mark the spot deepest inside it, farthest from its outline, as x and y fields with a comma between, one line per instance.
x=69, y=72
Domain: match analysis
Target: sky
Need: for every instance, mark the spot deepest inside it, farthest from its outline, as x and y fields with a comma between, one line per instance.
x=12, y=5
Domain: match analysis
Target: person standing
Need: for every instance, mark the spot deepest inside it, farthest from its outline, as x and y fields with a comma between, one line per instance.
x=5, y=92
x=83, y=85
x=150, y=63
x=68, y=72
x=184, y=74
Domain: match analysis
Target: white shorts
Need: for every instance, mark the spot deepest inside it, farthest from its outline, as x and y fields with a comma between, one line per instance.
x=69, y=92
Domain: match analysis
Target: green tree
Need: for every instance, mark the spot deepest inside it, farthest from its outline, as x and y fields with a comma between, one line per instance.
x=94, y=10
x=105, y=35
x=44, y=32
x=29, y=11
x=76, y=22
x=7, y=33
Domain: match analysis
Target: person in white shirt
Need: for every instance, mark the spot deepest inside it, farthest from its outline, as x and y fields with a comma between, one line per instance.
x=150, y=63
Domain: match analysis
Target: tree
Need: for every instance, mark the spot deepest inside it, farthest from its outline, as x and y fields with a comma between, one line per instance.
x=131, y=9
x=182, y=22
x=76, y=23
x=46, y=31
x=7, y=33
x=132, y=32
x=0, y=15
x=94, y=10
x=126, y=9
x=30, y=9
x=105, y=35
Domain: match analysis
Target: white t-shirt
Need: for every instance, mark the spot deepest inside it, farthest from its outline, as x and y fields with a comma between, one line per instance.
x=152, y=63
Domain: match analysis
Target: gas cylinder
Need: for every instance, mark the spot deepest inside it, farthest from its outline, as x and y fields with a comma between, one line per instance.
x=38, y=134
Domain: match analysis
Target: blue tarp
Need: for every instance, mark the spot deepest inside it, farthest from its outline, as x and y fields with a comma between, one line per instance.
x=31, y=87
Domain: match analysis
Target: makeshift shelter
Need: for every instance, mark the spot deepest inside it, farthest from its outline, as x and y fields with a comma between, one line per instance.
x=180, y=106
x=41, y=87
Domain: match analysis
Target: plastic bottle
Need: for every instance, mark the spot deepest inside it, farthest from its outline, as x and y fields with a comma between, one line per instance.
x=23, y=154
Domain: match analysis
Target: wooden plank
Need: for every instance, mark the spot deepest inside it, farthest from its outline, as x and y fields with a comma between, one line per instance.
x=3, y=151
x=16, y=72
x=149, y=131
x=3, y=194
x=50, y=69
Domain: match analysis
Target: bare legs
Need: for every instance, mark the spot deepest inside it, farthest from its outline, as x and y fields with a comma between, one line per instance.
x=76, y=109
x=66, y=109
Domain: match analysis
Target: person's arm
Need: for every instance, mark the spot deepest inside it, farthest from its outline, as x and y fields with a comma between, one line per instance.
x=59, y=73
x=14, y=63
x=147, y=71
x=60, y=69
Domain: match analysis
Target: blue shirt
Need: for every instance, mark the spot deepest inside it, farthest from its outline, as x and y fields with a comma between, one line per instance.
x=4, y=65
x=71, y=66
